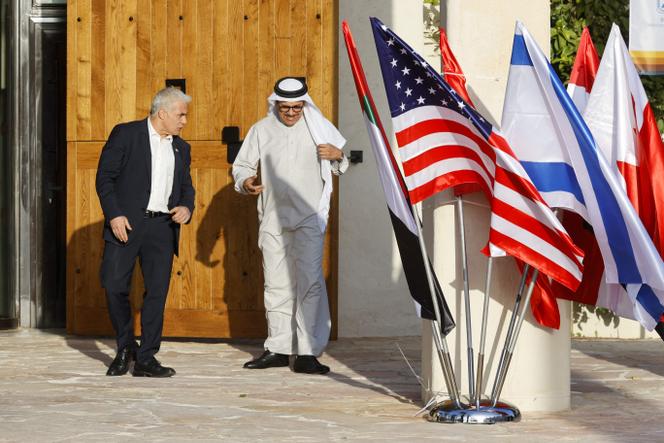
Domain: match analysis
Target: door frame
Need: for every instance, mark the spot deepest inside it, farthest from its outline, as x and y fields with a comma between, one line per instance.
x=28, y=20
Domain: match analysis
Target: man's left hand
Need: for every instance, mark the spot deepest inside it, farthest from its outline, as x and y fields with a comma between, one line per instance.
x=330, y=152
x=180, y=214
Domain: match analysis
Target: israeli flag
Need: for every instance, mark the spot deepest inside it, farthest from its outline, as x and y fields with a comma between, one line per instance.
x=550, y=137
x=536, y=138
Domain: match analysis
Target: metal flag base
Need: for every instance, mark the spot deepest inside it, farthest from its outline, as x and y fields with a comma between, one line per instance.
x=449, y=412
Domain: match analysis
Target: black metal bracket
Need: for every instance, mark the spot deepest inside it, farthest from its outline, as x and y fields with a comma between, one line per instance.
x=179, y=83
x=230, y=136
x=356, y=157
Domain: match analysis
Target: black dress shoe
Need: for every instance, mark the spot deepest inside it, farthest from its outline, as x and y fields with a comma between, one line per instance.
x=120, y=364
x=268, y=360
x=308, y=364
x=152, y=368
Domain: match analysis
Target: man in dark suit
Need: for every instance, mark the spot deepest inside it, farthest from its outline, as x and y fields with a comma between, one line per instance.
x=144, y=186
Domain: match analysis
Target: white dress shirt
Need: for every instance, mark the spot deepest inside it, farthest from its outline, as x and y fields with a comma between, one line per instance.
x=163, y=167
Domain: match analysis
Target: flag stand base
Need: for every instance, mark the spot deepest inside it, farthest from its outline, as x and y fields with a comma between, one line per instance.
x=448, y=412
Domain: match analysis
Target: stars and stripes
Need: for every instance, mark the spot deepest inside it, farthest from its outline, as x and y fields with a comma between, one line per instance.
x=444, y=142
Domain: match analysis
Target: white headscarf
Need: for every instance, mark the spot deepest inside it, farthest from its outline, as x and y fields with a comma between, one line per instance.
x=322, y=131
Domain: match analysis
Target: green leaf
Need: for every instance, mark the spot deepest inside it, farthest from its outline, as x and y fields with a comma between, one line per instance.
x=568, y=17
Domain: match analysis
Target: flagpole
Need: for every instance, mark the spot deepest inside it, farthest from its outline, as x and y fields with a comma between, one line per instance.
x=515, y=336
x=439, y=340
x=510, y=331
x=445, y=364
x=485, y=315
x=466, y=293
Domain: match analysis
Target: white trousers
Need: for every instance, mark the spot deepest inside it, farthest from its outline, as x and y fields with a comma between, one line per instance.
x=296, y=306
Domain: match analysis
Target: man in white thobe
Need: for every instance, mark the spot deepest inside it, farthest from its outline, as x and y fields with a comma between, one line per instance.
x=297, y=150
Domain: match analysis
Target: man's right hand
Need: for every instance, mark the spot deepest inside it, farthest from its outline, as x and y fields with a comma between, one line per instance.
x=250, y=187
x=119, y=226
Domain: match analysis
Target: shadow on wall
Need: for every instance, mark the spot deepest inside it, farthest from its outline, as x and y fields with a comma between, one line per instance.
x=86, y=301
x=231, y=219
x=581, y=314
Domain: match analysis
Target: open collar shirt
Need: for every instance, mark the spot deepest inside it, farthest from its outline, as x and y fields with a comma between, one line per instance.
x=163, y=167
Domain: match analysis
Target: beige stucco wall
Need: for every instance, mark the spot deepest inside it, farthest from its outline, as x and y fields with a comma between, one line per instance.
x=373, y=296
x=480, y=34
x=608, y=326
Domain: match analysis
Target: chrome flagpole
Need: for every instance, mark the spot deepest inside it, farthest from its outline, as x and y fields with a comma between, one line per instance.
x=510, y=339
x=508, y=359
x=479, y=410
x=485, y=315
x=466, y=293
x=510, y=330
x=439, y=340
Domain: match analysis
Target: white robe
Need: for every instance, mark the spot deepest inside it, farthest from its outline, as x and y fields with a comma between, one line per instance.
x=290, y=232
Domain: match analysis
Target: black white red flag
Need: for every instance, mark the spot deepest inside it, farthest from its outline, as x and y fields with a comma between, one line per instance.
x=398, y=203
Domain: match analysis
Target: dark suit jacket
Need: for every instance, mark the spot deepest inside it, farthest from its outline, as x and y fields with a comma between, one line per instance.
x=124, y=177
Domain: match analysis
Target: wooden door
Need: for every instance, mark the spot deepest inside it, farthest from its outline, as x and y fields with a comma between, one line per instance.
x=230, y=52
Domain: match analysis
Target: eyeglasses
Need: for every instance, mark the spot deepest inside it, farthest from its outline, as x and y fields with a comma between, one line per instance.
x=296, y=109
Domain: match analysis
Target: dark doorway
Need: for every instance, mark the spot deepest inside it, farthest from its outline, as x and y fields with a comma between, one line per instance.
x=54, y=175
x=8, y=305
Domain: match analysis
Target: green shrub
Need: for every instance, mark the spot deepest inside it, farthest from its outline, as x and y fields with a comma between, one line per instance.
x=568, y=17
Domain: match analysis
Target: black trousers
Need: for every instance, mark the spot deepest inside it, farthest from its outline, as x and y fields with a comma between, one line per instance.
x=153, y=243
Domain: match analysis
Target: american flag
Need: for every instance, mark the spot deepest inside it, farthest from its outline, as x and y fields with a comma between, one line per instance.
x=444, y=142
x=543, y=303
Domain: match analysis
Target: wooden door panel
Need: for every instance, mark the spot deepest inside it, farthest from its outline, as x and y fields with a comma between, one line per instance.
x=218, y=271
x=230, y=52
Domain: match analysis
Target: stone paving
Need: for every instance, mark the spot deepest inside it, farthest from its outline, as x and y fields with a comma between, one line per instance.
x=53, y=388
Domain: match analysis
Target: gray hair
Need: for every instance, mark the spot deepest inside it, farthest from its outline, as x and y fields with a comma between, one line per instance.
x=165, y=98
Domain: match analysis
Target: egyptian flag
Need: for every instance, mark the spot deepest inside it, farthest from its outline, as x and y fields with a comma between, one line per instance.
x=398, y=203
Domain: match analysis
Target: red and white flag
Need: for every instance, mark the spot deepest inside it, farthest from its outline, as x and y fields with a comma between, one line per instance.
x=583, y=73
x=619, y=105
x=452, y=72
x=454, y=76
x=444, y=142
x=623, y=125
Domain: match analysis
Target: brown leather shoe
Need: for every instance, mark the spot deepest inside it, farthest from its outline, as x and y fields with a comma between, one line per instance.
x=268, y=360
x=308, y=364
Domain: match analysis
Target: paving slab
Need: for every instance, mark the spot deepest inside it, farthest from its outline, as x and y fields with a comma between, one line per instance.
x=53, y=389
